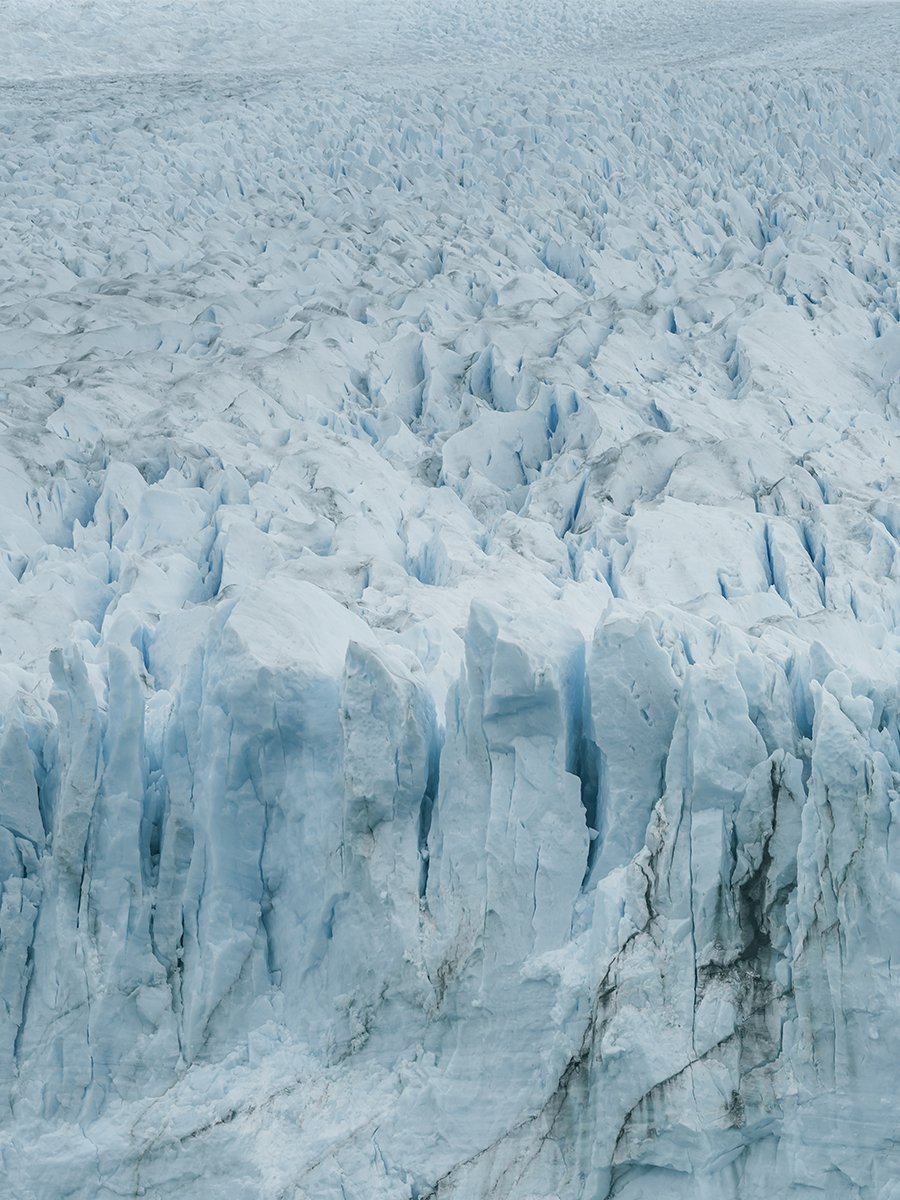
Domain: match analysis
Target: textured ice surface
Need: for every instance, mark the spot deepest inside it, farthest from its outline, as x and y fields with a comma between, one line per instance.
x=449, y=669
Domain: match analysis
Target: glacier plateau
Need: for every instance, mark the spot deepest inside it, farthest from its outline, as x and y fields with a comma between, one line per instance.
x=449, y=601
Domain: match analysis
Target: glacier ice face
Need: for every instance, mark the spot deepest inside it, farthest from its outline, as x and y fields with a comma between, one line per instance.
x=450, y=682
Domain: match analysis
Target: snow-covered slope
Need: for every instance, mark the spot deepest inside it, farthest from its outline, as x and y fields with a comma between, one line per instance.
x=449, y=602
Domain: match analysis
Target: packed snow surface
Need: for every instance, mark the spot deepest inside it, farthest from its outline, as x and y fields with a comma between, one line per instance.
x=449, y=657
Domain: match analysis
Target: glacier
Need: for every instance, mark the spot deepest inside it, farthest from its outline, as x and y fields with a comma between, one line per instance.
x=449, y=602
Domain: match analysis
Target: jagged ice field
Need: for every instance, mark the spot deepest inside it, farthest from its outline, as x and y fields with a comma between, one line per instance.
x=450, y=600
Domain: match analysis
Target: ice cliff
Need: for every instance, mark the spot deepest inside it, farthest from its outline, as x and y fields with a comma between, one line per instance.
x=449, y=602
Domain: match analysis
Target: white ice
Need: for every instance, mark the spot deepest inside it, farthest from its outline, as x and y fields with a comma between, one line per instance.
x=449, y=657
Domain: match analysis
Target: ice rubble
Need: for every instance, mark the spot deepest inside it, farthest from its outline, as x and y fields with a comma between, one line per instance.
x=450, y=679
